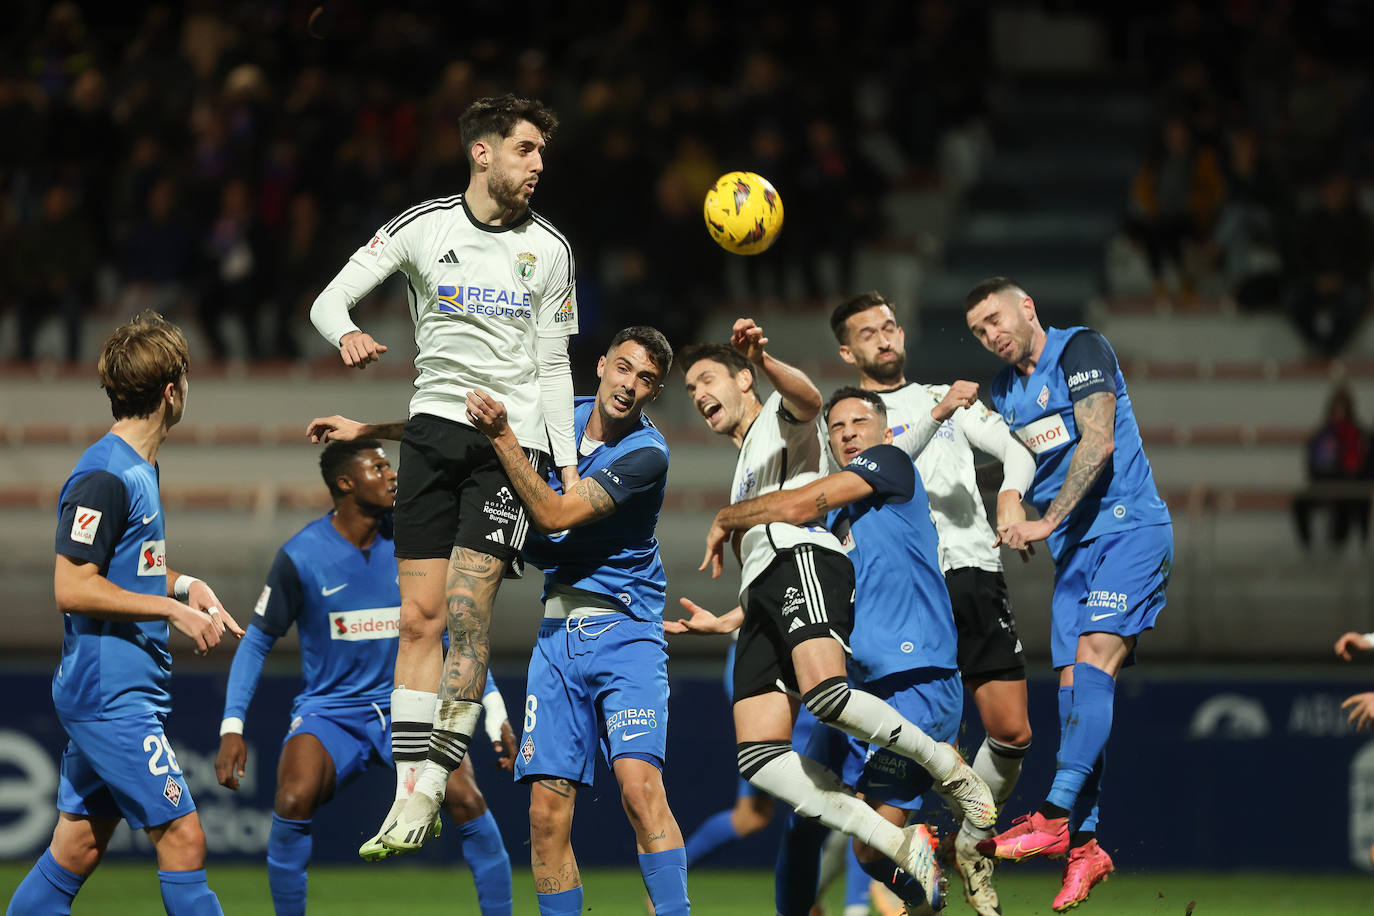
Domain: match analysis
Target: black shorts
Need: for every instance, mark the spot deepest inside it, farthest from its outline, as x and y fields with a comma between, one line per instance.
x=452, y=492
x=989, y=647
x=805, y=593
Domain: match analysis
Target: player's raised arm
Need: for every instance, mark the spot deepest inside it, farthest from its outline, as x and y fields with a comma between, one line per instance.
x=984, y=429
x=557, y=322
x=800, y=397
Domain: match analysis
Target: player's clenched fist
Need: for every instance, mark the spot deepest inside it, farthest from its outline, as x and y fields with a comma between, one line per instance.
x=960, y=394
x=748, y=340
x=358, y=349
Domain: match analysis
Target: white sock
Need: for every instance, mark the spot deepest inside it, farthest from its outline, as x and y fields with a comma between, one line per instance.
x=999, y=765
x=412, y=717
x=870, y=719
x=815, y=792
x=454, y=722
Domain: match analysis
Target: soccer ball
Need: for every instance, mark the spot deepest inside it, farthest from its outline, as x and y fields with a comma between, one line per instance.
x=743, y=213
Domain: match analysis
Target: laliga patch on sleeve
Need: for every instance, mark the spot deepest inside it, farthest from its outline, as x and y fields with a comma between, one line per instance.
x=85, y=525
x=261, y=607
x=375, y=247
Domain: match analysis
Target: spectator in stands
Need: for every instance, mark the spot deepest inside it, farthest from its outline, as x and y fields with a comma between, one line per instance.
x=1330, y=268
x=232, y=266
x=1174, y=201
x=1336, y=453
x=54, y=260
x=1248, y=240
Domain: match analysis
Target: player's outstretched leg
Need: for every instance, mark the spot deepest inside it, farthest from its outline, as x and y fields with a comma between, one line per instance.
x=869, y=719
x=815, y=792
x=412, y=718
x=473, y=578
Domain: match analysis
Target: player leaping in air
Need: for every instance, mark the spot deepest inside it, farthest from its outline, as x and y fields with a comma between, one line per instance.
x=492, y=295
x=1109, y=533
x=796, y=592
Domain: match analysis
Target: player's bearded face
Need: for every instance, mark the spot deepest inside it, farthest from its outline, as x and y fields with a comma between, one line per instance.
x=715, y=395
x=1002, y=327
x=516, y=164
x=877, y=345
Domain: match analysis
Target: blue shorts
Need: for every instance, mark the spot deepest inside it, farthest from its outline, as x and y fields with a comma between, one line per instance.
x=122, y=768
x=1112, y=584
x=599, y=681
x=355, y=737
x=933, y=699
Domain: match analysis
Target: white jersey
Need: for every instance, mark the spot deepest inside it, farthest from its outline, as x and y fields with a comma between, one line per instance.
x=778, y=453
x=480, y=297
x=944, y=458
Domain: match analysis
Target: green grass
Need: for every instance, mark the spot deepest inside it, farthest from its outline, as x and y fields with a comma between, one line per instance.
x=126, y=888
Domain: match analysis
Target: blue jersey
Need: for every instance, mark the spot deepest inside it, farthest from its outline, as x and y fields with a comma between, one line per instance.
x=346, y=606
x=110, y=514
x=902, y=616
x=616, y=556
x=1075, y=363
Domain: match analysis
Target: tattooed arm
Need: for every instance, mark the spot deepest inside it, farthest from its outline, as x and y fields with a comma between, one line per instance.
x=1095, y=416
x=795, y=507
x=549, y=510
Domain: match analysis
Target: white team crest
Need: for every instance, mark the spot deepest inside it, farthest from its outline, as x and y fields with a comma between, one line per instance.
x=1043, y=398
x=527, y=749
x=525, y=262
x=172, y=792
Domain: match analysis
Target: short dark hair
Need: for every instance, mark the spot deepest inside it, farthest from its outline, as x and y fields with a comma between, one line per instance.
x=653, y=342
x=860, y=303
x=336, y=458
x=721, y=353
x=138, y=361
x=863, y=394
x=498, y=115
x=989, y=287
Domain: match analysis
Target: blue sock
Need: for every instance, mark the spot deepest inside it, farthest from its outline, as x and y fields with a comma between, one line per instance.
x=565, y=903
x=665, y=878
x=485, y=853
x=886, y=873
x=714, y=832
x=1086, y=733
x=185, y=893
x=855, y=880
x=799, y=865
x=288, y=857
x=1065, y=707
x=47, y=888
x=1088, y=798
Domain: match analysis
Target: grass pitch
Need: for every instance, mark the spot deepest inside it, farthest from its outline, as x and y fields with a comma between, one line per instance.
x=131, y=888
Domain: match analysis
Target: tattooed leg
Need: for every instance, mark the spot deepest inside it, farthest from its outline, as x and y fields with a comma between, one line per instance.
x=551, y=852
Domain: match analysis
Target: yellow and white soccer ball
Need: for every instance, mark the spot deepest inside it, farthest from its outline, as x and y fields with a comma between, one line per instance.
x=743, y=212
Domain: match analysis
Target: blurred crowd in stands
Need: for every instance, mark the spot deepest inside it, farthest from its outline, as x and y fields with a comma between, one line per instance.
x=1261, y=171
x=216, y=161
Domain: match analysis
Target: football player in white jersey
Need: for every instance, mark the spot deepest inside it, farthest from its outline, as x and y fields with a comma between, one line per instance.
x=491, y=291
x=939, y=426
x=796, y=596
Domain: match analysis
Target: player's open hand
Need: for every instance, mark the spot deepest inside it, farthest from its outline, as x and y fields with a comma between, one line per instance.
x=230, y=760
x=748, y=340
x=1361, y=707
x=505, y=748
x=203, y=598
x=715, y=548
x=333, y=429
x=357, y=348
x=701, y=621
x=486, y=413
x=1350, y=641
x=960, y=394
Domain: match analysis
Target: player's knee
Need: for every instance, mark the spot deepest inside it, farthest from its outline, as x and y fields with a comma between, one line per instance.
x=643, y=798
x=550, y=815
x=295, y=801
x=419, y=621
x=827, y=699
x=1011, y=733
x=181, y=846
x=752, y=813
